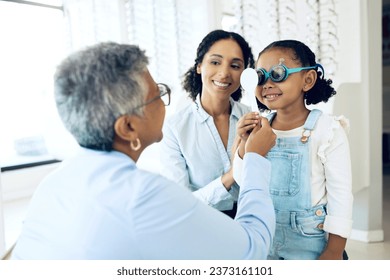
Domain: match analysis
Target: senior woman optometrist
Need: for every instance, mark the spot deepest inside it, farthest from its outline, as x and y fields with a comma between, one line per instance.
x=99, y=205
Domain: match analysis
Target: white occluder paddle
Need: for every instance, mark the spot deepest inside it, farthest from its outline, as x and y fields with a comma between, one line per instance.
x=249, y=82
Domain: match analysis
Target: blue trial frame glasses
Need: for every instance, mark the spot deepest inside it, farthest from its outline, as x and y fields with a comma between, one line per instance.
x=280, y=72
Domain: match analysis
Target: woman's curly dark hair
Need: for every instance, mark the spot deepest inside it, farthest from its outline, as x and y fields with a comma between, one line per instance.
x=322, y=89
x=192, y=82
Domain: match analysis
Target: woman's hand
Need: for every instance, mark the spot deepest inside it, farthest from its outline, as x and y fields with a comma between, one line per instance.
x=261, y=139
x=227, y=179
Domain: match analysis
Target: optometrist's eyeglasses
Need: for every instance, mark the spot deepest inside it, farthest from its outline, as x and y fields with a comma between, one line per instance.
x=165, y=95
x=280, y=72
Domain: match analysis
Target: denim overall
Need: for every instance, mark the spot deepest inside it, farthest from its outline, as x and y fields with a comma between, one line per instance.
x=299, y=226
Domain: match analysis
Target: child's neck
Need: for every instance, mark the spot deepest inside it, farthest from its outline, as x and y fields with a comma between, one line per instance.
x=289, y=120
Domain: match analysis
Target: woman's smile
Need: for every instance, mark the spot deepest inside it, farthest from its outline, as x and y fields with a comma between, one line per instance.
x=221, y=84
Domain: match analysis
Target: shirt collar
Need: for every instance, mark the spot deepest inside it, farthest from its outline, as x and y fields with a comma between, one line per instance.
x=112, y=153
x=236, y=112
x=202, y=115
x=199, y=112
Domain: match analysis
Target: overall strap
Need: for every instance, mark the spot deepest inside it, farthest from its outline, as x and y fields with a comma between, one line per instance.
x=312, y=119
x=310, y=124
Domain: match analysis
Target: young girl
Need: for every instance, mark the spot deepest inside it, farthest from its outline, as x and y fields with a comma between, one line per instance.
x=196, y=148
x=311, y=169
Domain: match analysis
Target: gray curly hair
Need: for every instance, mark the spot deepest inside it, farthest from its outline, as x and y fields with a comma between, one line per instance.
x=95, y=86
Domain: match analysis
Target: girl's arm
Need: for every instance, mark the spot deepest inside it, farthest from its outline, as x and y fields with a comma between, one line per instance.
x=244, y=127
x=338, y=174
x=335, y=248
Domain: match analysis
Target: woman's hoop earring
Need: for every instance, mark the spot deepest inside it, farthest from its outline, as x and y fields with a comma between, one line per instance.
x=137, y=146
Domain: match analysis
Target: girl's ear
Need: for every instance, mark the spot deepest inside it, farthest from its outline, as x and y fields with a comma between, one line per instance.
x=310, y=80
x=126, y=127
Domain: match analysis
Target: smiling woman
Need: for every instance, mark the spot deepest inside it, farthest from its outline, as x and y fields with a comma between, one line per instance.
x=197, y=143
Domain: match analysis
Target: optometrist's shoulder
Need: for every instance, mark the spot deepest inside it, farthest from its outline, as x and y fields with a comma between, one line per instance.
x=99, y=205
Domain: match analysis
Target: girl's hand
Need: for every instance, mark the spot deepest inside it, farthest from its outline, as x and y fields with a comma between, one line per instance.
x=235, y=146
x=335, y=248
x=246, y=124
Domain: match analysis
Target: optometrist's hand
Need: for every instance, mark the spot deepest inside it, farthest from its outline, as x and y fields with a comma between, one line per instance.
x=261, y=139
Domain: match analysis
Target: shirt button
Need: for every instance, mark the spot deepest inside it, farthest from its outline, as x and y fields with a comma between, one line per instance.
x=319, y=212
x=320, y=226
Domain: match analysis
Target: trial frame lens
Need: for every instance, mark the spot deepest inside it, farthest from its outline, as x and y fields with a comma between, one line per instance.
x=279, y=73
